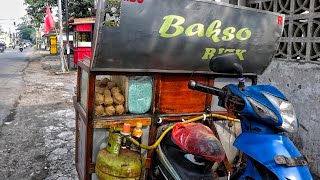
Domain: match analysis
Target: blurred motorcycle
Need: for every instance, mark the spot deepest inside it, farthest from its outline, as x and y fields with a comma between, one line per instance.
x=20, y=48
x=2, y=47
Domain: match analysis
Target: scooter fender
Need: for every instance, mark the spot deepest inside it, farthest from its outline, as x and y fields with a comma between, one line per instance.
x=264, y=147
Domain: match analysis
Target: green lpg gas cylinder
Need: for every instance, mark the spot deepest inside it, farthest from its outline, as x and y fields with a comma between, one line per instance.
x=128, y=165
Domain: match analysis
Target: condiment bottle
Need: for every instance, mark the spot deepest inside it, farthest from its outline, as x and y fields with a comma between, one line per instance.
x=137, y=135
x=125, y=133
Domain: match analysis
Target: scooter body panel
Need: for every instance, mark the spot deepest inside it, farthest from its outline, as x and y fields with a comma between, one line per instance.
x=264, y=147
x=256, y=92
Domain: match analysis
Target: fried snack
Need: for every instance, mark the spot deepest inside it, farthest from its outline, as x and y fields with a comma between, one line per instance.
x=99, y=111
x=119, y=109
x=110, y=110
x=118, y=98
x=111, y=84
x=99, y=90
x=115, y=90
x=104, y=82
x=107, y=92
x=108, y=100
x=98, y=83
x=99, y=99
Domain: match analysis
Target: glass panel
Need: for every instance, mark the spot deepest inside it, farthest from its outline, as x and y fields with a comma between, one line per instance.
x=110, y=96
x=75, y=44
x=84, y=36
x=84, y=89
x=100, y=141
x=119, y=95
x=82, y=148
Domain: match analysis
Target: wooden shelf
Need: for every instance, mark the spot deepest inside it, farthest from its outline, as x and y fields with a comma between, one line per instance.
x=102, y=123
x=119, y=117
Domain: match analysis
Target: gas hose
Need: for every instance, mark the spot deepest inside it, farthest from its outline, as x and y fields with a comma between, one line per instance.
x=184, y=122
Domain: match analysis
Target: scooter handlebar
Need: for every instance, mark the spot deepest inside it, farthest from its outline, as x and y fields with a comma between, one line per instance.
x=205, y=88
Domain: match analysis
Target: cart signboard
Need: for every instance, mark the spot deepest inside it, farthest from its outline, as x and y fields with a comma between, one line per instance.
x=181, y=36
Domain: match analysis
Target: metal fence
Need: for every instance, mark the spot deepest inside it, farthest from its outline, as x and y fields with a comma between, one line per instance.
x=300, y=41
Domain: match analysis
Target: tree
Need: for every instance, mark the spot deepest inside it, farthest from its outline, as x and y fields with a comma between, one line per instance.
x=36, y=10
x=80, y=9
x=26, y=31
x=76, y=8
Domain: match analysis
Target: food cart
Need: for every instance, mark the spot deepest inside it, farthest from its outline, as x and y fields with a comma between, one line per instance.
x=150, y=50
x=83, y=30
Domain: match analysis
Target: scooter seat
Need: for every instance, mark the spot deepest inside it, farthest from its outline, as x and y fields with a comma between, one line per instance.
x=196, y=138
x=187, y=166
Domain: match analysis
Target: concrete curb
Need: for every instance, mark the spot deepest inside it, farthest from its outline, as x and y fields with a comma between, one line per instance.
x=52, y=62
x=48, y=61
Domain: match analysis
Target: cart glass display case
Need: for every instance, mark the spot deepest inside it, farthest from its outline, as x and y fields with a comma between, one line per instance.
x=83, y=32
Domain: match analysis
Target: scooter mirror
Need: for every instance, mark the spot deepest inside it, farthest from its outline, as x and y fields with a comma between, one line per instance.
x=226, y=63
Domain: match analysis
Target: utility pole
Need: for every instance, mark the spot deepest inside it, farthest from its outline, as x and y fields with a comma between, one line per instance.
x=67, y=31
x=242, y=2
x=61, y=38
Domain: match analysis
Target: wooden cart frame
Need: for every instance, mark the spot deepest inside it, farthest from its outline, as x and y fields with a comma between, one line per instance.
x=150, y=119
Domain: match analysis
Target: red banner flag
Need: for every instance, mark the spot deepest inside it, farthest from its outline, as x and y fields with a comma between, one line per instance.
x=48, y=21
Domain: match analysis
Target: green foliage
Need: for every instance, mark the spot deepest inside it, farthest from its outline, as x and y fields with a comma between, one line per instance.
x=36, y=10
x=80, y=8
x=26, y=32
x=77, y=8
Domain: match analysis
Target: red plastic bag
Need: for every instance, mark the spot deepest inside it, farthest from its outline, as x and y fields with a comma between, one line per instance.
x=198, y=139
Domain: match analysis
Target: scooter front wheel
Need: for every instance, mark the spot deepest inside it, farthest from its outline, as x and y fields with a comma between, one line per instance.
x=265, y=173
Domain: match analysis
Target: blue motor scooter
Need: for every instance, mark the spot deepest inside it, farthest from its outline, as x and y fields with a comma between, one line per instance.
x=265, y=115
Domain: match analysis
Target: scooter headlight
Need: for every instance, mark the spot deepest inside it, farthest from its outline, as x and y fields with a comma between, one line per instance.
x=289, y=118
x=288, y=115
x=263, y=111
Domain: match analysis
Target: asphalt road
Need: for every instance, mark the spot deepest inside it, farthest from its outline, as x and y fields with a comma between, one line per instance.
x=12, y=64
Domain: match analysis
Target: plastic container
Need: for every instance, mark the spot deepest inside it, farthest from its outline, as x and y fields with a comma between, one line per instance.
x=139, y=94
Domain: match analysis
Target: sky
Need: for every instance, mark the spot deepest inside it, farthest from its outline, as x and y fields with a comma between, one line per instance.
x=11, y=9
